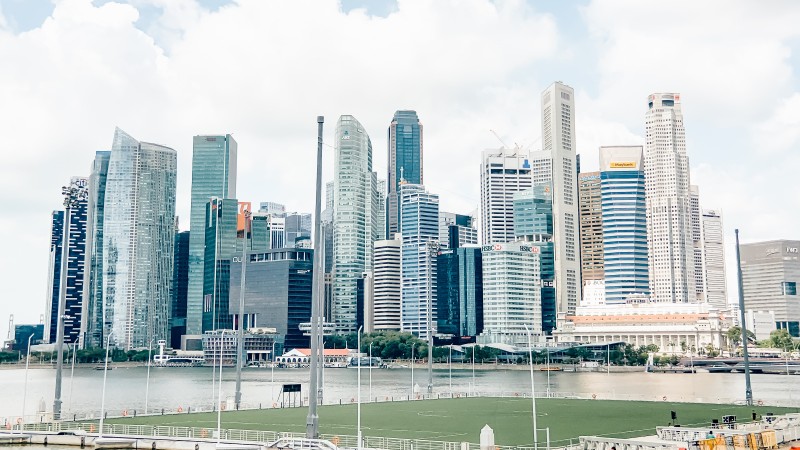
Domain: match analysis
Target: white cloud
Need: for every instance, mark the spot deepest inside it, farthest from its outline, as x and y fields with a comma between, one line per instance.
x=780, y=132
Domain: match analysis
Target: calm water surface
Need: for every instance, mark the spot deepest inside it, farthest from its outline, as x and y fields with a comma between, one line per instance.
x=173, y=387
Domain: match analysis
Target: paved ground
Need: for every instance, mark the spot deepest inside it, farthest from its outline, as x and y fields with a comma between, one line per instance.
x=462, y=419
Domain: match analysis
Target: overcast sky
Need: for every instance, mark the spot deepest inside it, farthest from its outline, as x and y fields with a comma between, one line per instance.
x=165, y=70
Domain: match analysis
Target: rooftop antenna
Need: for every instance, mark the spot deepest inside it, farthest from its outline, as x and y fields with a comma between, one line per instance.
x=10, y=325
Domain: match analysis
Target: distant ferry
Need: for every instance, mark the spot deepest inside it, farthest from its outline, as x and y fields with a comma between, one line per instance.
x=551, y=369
x=365, y=361
x=174, y=360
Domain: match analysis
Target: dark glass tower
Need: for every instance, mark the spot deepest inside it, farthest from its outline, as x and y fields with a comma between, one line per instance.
x=56, y=238
x=405, y=162
x=460, y=292
x=94, y=249
x=220, y=248
x=180, y=285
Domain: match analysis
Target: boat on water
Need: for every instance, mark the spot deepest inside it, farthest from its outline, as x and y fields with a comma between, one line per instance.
x=365, y=361
x=551, y=369
x=163, y=360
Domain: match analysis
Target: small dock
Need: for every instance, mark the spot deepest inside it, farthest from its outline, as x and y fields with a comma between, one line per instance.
x=14, y=438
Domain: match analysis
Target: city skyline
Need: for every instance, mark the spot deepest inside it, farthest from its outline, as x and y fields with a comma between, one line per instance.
x=741, y=186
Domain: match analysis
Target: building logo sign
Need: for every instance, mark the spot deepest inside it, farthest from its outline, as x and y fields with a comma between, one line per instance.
x=791, y=249
x=623, y=165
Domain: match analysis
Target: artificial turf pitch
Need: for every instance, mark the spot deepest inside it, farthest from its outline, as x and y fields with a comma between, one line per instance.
x=460, y=420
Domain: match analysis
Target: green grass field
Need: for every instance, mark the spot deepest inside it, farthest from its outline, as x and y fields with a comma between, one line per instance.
x=462, y=419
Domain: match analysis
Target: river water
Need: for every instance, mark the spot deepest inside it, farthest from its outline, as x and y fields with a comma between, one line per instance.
x=174, y=387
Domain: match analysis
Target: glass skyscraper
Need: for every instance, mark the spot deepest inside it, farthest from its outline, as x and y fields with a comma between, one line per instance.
x=220, y=242
x=138, y=242
x=355, y=218
x=213, y=175
x=405, y=163
x=180, y=286
x=419, y=224
x=459, y=294
x=94, y=249
x=622, y=191
x=54, y=279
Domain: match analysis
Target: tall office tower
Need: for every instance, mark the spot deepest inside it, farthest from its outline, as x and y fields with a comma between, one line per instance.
x=180, y=286
x=380, y=197
x=278, y=285
x=260, y=232
x=327, y=228
x=405, y=163
x=459, y=292
x=697, y=244
x=713, y=245
x=770, y=274
x=533, y=224
x=591, y=226
x=622, y=185
x=456, y=230
x=277, y=231
x=94, y=250
x=54, y=275
x=76, y=267
x=558, y=138
x=222, y=217
x=298, y=226
x=273, y=208
x=213, y=175
x=419, y=224
x=503, y=173
x=541, y=167
x=511, y=295
x=354, y=221
x=670, y=251
x=138, y=242
x=387, y=282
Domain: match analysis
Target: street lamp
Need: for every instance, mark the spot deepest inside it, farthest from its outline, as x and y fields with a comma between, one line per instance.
x=240, y=341
x=358, y=355
x=74, y=194
x=370, y=373
x=433, y=251
x=450, y=367
x=412, y=370
x=147, y=386
x=105, y=373
x=533, y=388
x=219, y=389
x=27, y=361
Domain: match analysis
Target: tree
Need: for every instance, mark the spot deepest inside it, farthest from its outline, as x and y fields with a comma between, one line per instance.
x=781, y=339
x=734, y=336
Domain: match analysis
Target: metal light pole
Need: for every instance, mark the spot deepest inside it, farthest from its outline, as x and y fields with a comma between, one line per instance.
x=450, y=367
x=533, y=389
x=433, y=251
x=72, y=376
x=240, y=340
x=25, y=392
x=103, y=398
x=473, y=369
x=73, y=195
x=272, y=373
x=358, y=426
x=147, y=386
x=369, y=399
x=412, y=370
x=219, y=388
x=748, y=392
x=312, y=420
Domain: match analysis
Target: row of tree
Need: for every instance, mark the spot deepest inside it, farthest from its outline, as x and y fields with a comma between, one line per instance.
x=89, y=355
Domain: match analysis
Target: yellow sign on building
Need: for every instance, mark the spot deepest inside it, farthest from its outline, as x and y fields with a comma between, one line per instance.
x=623, y=165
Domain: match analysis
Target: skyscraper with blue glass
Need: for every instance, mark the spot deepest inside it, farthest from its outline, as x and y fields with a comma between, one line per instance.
x=94, y=250
x=405, y=162
x=624, y=210
x=220, y=247
x=213, y=175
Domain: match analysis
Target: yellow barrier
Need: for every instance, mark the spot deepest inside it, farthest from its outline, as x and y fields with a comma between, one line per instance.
x=768, y=439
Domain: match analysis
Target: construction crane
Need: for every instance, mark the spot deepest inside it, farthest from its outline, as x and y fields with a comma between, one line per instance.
x=498, y=138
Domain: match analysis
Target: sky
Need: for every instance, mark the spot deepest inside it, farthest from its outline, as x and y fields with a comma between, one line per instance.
x=165, y=70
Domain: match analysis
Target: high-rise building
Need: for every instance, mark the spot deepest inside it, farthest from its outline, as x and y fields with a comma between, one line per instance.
x=180, y=286
x=511, y=295
x=380, y=197
x=76, y=271
x=297, y=226
x=697, y=244
x=260, y=233
x=770, y=275
x=277, y=231
x=591, y=222
x=355, y=218
x=456, y=230
x=459, y=292
x=54, y=275
x=213, y=175
x=327, y=227
x=503, y=173
x=405, y=163
x=419, y=224
x=670, y=249
x=277, y=292
x=273, y=208
x=138, y=242
x=221, y=246
x=715, y=290
x=558, y=138
x=624, y=223
x=94, y=250
x=387, y=282
x=533, y=224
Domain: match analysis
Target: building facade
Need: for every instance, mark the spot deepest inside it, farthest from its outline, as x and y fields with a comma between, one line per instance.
x=624, y=221
x=405, y=163
x=214, y=163
x=591, y=226
x=715, y=289
x=355, y=218
x=297, y=227
x=54, y=275
x=503, y=173
x=387, y=285
x=670, y=246
x=459, y=294
x=697, y=242
x=558, y=138
x=419, y=224
x=220, y=247
x=511, y=293
x=770, y=275
x=456, y=230
x=180, y=287
x=94, y=250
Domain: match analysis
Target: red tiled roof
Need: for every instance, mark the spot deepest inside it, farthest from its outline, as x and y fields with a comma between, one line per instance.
x=326, y=352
